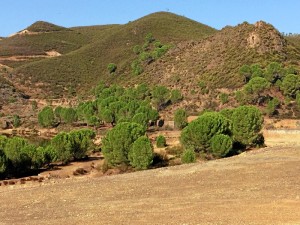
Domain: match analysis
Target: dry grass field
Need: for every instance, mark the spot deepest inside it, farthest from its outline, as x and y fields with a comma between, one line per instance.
x=257, y=187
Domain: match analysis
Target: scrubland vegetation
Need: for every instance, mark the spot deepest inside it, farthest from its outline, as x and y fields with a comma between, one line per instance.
x=148, y=70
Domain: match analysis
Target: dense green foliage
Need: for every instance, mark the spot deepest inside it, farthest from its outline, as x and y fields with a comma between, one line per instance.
x=198, y=134
x=73, y=145
x=160, y=96
x=220, y=145
x=68, y=115
x=112, y=105
x=46, y=117
x=247, y=123
x=188, y=156
x=118, y=141
x=216, y=132
x=272, y=106
x=141, y=153
x=161, y=141
x=291, y=85
x=256, y=85
x=180, y=118
x=18, y=156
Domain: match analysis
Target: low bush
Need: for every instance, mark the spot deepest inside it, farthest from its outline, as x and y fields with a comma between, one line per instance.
x=188, y=156
x=161, y=141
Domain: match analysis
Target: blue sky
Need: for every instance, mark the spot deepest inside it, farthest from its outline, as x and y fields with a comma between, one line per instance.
x=17, y=14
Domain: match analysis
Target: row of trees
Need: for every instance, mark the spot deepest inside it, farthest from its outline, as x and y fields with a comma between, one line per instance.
x=113, y=105
x=18, y=155
x=217, y=133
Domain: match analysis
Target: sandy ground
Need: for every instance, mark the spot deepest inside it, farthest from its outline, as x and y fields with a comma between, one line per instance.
x=256, y=187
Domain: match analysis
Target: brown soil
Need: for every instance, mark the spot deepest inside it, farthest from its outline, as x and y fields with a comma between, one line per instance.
x=257, y=187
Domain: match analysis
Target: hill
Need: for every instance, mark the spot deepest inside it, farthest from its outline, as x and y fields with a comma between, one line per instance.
x=201, y=193
x=103, y=45
x=199, y=61
x=42, y=26
x=217, y=59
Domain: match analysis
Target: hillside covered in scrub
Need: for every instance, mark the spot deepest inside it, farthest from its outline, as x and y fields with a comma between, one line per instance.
x=204, y=64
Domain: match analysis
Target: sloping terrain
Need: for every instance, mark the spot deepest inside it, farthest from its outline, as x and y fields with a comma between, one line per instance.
x=259, y=187
x=199, y=53
x=97, y=46
x=217, y=59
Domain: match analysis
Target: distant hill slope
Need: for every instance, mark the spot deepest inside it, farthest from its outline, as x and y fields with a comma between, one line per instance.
x=83, y=67
x=217, y=59
x=199, y=53
x=42, y=26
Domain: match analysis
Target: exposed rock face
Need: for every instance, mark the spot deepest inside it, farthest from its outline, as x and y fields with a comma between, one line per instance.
x=266, y=38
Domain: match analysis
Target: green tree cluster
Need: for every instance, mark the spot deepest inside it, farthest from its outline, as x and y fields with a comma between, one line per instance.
x=274, y=75
x=18, y=155
x=127, y=144
x=216, y=132
x=150, y=51
x=73, y=145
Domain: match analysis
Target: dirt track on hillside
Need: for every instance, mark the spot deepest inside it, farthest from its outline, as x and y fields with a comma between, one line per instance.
x=258, y=187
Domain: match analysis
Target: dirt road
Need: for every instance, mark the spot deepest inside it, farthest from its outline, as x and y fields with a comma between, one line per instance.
x=259, y=187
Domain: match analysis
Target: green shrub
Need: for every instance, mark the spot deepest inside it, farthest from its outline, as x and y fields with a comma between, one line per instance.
x=256, y=85
x=198, y=134
x=69, y=115
x=188, y=156
x=141, y=153
x=176, y=96
x=247, y=123
x=73, y=145
x=274, y=71
x=58, y=113
x=160, y=96
x=161, y=141
x=111, y=67
x=149, y=38
x=137, y=49
x=107, y=116
x=180, y=118
x=46, y=117
x=118, y=141
x=16, y=121
x=136, y=67
x=141, y=118
x=223, y=98
x=18, y=152
x=3, y=162
x=240, y=97
x=291, y=85
x=272, y=106
x=220, y=145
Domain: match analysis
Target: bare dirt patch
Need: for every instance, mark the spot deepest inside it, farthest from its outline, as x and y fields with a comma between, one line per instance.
x=258, y=187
